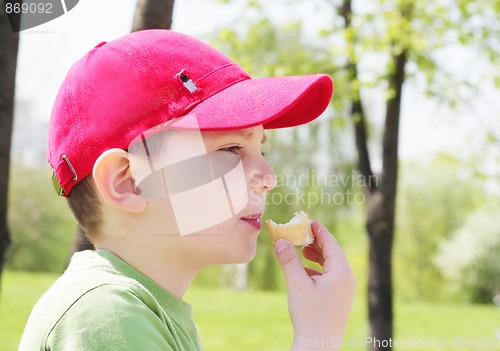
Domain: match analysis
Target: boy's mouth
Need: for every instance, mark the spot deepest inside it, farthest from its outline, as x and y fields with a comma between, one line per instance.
x=254, y=220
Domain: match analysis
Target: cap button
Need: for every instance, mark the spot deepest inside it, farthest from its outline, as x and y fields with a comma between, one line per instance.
x=187, y=82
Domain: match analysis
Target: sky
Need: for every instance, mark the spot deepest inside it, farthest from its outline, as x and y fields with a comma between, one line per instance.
x=46, y=53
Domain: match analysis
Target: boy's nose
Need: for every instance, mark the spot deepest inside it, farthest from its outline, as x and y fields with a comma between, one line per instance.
x=263, y=176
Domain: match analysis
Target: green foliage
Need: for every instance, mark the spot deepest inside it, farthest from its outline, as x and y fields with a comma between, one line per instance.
x=424, y=30
x=268, y=50
x=42, y=226
x=433, y=201
x=471, y=257
x=482, y=277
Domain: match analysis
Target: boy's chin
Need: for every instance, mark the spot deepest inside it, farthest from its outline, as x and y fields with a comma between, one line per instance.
x=247, y=259
x=240, y=258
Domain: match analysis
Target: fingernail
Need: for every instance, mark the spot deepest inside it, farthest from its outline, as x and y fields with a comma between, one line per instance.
x=281, y=244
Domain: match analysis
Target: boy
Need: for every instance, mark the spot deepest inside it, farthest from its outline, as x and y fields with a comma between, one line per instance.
x=155, y=141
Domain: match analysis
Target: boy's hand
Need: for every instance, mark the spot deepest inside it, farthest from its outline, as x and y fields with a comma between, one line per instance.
x=318, y=303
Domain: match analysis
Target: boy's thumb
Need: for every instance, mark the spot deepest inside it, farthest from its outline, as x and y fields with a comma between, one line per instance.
x=289, y=261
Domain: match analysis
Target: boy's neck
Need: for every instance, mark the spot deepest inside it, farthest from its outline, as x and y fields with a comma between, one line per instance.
x=165, y=268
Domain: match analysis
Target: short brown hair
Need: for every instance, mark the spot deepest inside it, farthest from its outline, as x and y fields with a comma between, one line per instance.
x=86, y=206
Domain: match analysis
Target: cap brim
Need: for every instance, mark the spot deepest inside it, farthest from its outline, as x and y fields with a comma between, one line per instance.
x=275, y=102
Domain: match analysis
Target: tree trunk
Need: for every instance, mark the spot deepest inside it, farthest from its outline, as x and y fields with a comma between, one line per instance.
x=380, y=228
x=381, y=196
x=151, y=14
x=381, y=215
x=9, y=42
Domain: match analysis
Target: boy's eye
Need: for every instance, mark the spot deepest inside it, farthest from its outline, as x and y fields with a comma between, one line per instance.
x=235, y=149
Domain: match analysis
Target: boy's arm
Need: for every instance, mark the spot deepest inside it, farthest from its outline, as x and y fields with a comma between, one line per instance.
x=319, y=303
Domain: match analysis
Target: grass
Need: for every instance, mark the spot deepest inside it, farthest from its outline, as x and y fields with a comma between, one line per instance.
x=19, y=292
x=232, y=320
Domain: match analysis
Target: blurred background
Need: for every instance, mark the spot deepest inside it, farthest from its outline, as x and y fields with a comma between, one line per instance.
x=403, y=167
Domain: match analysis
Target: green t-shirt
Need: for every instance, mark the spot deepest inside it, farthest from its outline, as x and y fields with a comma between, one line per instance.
x=102, y=303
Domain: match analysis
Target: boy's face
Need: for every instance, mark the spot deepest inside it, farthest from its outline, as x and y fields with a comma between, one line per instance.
x=232, y=240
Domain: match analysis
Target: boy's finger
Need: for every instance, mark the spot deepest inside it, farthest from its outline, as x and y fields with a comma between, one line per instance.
x=312, y=272
x=332, y=252
x=312, y=254
x=290, y=263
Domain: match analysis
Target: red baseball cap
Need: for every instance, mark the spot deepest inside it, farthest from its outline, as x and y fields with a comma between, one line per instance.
x=122, y=88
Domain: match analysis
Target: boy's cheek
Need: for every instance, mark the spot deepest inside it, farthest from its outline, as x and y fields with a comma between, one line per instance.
x=258, y=203
x=257, y=198
x=194, y=210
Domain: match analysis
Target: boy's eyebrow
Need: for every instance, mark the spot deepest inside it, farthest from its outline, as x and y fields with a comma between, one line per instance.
x=248, y=135
x=245, y=134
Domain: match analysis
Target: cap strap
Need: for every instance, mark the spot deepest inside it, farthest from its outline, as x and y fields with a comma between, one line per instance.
x=65, y=175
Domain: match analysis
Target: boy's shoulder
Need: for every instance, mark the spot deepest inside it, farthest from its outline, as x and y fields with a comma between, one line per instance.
x=100, y=300
x=91, y=273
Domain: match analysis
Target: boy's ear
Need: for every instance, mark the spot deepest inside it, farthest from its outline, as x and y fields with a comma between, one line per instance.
x=113, y=178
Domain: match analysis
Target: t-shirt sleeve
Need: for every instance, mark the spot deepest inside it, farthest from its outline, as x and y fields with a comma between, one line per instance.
x=111, y=318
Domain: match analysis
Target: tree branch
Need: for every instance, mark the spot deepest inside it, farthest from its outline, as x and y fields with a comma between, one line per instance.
x=357, y=111
x=391, y=130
